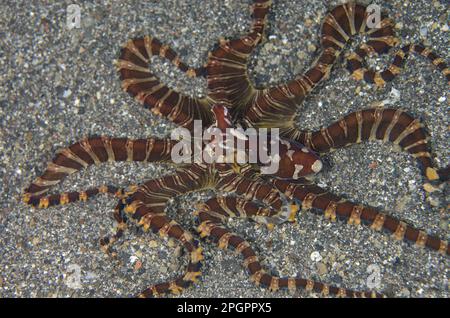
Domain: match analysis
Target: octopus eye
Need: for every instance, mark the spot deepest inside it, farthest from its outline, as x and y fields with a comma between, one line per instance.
x=317, y=166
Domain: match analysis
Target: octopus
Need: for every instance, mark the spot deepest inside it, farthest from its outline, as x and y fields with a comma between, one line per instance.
x=231, y=105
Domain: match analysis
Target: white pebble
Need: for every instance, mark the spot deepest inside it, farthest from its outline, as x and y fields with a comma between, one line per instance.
x=395, y=94
x=315, y=256
x=423, y=31
x=133, y=259
x=67, y=93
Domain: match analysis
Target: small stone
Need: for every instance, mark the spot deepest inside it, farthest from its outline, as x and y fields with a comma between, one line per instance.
x=67, y=93
x=90, y=276
x=133, y=259
x=405, y=292
x=35, y=241
x=308, y=22
x=153, y=244
x=315, y=256
x=321, y=269
x=137, y=265
x=402, y=202
x=301, y=55
x=434, y=201
x=311, y=47
x=395, y=94
x=171, y=243
x=424, y=31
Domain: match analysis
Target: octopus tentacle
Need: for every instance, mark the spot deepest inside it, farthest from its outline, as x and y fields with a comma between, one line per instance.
x=339, y=27
x=211, y=216
x=95, y=150
x=355, y=64
x=384, y=124
x=260, y=9
x=227, y=77
x=334, y=207
x=107, y=242
x=164, y=226
x=46, y=201
x=140, y=83
x=146, y=208
x=251, y=189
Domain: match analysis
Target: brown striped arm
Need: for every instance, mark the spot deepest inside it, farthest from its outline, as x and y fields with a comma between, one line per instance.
x=153, y=195
x=227, y=76
x=339, y=27
x=146, y=207
x=166, y=227
x=212, y=215
x=260, y=9
x=335, y=207
x=384, y=124
x=358, y=69
x=146, y=88
x=250, y=189
x=88, y=152
x=223, y=208
x=107, y=242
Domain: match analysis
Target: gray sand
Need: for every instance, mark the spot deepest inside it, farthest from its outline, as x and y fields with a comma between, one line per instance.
x=59, y=85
